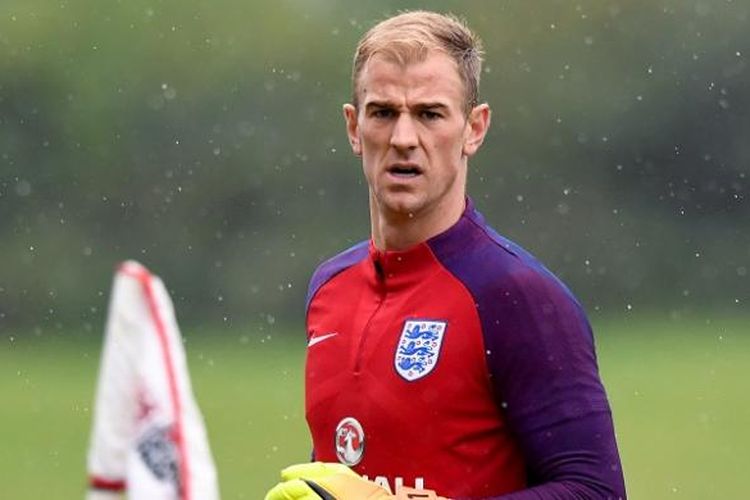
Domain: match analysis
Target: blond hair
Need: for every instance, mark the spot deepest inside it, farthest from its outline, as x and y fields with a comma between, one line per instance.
x=408, y=38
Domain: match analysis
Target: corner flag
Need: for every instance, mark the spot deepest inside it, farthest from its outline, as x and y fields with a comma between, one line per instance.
x=148, y=437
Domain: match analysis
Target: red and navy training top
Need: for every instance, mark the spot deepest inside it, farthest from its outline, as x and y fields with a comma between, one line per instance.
x=460, y=365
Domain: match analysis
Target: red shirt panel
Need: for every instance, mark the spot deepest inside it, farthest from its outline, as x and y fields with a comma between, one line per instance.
x=443, y=429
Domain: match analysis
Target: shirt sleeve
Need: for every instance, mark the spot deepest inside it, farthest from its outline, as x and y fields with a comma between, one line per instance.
x=542, y=363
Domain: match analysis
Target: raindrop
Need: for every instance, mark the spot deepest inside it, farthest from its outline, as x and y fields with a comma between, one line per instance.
x=23, y=188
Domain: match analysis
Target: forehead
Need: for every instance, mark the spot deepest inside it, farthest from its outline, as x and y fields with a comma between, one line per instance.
x=435, y=78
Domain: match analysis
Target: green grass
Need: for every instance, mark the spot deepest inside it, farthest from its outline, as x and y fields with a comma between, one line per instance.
x=679, y=390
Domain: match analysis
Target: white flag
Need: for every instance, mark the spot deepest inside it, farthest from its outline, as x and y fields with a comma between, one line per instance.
x=148, y=440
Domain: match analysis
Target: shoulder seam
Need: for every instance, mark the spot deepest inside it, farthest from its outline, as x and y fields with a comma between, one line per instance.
x=483, y=229
x=319, y=268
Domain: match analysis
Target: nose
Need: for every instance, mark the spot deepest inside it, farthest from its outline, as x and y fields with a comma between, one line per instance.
x=404, y=133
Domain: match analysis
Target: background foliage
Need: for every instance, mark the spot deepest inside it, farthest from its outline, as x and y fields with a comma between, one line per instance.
x=205, y=139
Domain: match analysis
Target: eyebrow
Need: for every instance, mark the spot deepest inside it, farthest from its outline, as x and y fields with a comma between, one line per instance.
x=419, y=106
x=380, y=104
x=431, y=105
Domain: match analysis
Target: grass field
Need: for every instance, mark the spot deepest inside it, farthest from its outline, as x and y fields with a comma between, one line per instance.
x=679, y=389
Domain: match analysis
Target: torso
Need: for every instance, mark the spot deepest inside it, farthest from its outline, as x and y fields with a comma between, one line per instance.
x=398, y=351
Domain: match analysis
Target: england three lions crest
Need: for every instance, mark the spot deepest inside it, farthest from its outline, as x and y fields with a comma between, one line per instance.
x=418, y=348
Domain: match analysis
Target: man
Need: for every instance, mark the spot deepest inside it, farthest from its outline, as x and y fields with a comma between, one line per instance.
x=441, y=355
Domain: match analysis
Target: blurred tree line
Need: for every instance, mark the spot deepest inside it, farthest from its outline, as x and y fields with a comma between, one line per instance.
x=205, y=139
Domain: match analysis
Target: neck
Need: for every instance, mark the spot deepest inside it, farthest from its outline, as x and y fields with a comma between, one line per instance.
x=399, y=231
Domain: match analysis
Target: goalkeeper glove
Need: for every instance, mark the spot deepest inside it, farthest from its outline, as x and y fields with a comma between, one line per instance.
x=332, y=481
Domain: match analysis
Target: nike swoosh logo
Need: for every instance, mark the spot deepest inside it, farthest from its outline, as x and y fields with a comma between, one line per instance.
x=321, y=338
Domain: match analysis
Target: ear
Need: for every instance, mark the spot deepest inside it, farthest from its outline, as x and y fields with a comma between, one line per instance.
x=477, y=124
x=352, y=128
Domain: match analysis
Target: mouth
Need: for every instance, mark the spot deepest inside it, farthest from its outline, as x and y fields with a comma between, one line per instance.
x=404, y=170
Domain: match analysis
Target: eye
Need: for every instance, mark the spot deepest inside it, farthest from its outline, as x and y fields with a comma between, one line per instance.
x=382, y=113
x=429, y=115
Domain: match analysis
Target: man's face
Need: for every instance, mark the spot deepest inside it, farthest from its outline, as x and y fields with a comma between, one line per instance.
x=412, y=132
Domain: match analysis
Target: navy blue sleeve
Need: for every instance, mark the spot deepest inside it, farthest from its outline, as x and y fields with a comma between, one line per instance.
x=576, y=459
x=542, y=361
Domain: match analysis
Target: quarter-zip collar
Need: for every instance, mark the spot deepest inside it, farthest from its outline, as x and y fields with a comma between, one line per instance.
x=397, y=269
